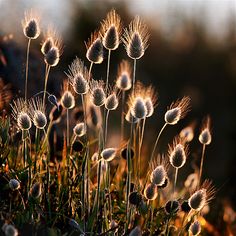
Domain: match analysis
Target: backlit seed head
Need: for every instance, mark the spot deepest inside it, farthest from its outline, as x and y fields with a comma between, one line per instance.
x=95, y=157
x=97, y=93
x=79, y=76
x=126, y=152
x=52, y=57
x=14, y=184
x=205, y=135
x=37, y=113
x=109, y=154
x=30, y=25
x=178, y=152
x=111, y=102
x=195, y=228
x=95, y=49
x=10, y=230
x=51, y=39
x=187, y=134
x=20, y=112
x=177, y=111
x=130, y=118
x=123, y=81
x=138, y=109
x=80, y=129
x=135, y=38
x=111, y=30
x=136, y=231
x=36, y=190
x=68, y=100
x=150, y=191
x=150, y=100
x=94, y=116
x=158, y=171
x=172, y=207
x=202, y=196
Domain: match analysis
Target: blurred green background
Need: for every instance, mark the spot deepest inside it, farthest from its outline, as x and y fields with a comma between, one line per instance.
x=192, y=51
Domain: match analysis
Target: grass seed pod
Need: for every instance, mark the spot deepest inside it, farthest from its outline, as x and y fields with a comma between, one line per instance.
x=172, y=207
x=195, y=228
x=95, y=49
x=135, y=198
x=68, y=100
x=111, y=30
x=80, y=129
x=205, y=135
x=177, y=111
x=14, y=184
x=108, y=154
x=135, y=39
x=124, y=80
x=97, y=93
x=36, y=190
x=150, y=192
x=111, y=102
x=130, y=118
x=138, y=109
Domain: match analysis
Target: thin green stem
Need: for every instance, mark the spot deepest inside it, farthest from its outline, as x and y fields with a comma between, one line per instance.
x=157, y=140
x=27, y=68
x=201, y=166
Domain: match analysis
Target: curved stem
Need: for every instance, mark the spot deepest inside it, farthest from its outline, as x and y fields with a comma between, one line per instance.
x=157, y=140
x=108, y=69
x=27, y=69
x=45, y=82
x=201, y=166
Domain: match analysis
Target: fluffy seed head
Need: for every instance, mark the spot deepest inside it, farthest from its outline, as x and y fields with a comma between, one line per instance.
x=111, y=30
x=205, y=135
x=135, y=38
x=95, y=49
x=36, y=190
x=178, y=152
x=97, y=93
x=20, y=111
x=195, y=228
x=52, y=57
x=150, y=100
x=187, y=134
x=111, y=102
x=138, y=109
x=108, y=154
x=79, y=76
x=30, y=25
x=130, y=118
x=159, y=172
x=80, y=129
x=177, y=111
x=37, y=113
x=68, y=100
x=123, y=81
x=14, y=184
x=10, y=230
x=172, y=207
x=202, y=196
x=150, y=191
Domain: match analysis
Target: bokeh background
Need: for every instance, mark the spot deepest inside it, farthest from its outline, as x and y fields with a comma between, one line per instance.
x=192, y=51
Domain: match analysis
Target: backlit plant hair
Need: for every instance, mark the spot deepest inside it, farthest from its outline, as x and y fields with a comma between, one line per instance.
x=202, y=196
x=135, y=38
x=124, y=80
x=97, y=93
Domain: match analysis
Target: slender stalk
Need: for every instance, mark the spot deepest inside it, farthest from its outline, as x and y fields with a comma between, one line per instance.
x=140, y=148
x=157, y=140
x=27, y=68
x=90, y=69
x=122, y=116
x=67, y=128
x=106, y=125
x=134, y=72
x=47, y=70
x=175, y=181
x=108, y=68
x=201, y=166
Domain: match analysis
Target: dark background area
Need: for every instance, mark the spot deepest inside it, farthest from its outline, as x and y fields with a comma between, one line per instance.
x=190, y=62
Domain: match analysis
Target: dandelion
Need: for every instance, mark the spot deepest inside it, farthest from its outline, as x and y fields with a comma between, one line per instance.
x=79, y=77
x=80, y=129
x=97, y=93
x=202, y=196
x=205, y=139
x=136, y=38
x=37, y=113
x=195, y=228
x=150, y=192
x=108, y=154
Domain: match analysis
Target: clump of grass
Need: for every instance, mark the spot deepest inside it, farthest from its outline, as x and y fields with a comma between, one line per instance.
x=94, y=187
